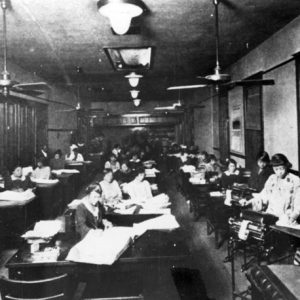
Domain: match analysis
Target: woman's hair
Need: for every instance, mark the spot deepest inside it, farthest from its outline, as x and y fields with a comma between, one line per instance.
x=263, y=156
x=59, y=152
x=112, y=155
x=42, y=160
x=15, y=166
x=107, y=170
x=138, y=171
x=92, y=187
x=116, y=146
x=230, y=161
x=280, y=159
x=212, y=157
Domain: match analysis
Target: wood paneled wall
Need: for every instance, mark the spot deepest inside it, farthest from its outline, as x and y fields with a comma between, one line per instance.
x=18, y=130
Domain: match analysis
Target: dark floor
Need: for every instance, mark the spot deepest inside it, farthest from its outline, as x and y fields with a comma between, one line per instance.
x=208, y=260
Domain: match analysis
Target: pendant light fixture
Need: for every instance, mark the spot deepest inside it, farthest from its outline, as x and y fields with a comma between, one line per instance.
x=134, y=93
x=136, y=102
x=133, y=79
x=120, y=13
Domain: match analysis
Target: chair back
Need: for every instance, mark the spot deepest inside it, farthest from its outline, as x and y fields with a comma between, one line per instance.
x=46, y=289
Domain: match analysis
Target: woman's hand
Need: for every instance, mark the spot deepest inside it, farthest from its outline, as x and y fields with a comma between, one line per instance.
x=107, y=224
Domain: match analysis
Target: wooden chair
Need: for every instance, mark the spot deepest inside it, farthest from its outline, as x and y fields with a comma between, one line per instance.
x=47, y=289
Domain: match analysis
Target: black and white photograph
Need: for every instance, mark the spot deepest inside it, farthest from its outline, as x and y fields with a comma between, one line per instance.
x=149, y=149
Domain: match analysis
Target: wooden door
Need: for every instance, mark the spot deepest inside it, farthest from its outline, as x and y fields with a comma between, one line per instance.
x=253, y=124
x=223, y=125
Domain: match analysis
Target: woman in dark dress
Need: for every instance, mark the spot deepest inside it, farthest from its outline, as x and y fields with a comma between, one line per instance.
x=89, y=213
x=17, y=181
x=231, y=175
x=261, y=172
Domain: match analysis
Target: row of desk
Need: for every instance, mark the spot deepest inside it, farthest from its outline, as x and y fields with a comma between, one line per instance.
x=49, y=202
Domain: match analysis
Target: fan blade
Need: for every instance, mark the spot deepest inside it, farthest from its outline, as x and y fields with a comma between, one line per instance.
x=186, y=87
x=250, y=82
x=32, y=86
x=28, y=92
x=184, y=84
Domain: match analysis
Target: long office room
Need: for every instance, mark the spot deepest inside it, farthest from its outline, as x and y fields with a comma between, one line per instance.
x=149, y=149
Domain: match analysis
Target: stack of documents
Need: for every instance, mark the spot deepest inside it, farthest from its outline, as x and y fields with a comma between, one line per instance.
x=151, y=172
x=165, y=222
x=188, y=168
x=17, y=196
x=45, y=182
x=67, y=171
x=102, y=247
x=44, y=230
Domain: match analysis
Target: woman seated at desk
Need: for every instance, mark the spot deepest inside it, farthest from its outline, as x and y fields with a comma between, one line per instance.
x=57, y=162
x=112, y=163
x=213, y=168
x=90, y=211
x=124, y=175
x=41, y=171
x=280, y=194
x=111, y=191
x=17, y=181
x=261, y=172
x=139, y=189
x=231, y=175
x=74, y=155
x=134, y=162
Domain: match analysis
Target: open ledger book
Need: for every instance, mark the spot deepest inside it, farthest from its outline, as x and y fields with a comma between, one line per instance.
x=105, y=247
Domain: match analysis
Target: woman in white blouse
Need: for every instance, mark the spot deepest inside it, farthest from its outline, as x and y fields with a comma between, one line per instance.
x=278, y=194
x=139, y=189
x=111, y=191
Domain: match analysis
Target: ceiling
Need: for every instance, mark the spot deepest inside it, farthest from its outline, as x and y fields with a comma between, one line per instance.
x=51, y=38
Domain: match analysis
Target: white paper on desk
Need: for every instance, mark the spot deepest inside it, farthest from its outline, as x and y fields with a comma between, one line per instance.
x=16, y=196
x=27, y=170
x=44, y=229
x=188, y=168
x=244, y=231
x=67, y=171
x=284, y=222
x=125, y=211
x=164, y=222
x=44, y=181
x=149, y=211
x=216, y=194
x=102, y=249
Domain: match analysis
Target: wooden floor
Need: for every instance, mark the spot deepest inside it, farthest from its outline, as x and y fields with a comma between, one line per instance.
x=206, y=258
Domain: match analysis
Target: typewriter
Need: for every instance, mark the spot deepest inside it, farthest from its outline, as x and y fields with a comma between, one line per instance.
x=241, y=191
x=255, y=223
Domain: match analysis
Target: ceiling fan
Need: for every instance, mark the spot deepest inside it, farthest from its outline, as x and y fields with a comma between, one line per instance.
x=218, y=78
x=175, y=106
x=78, y=107
x=6, y=84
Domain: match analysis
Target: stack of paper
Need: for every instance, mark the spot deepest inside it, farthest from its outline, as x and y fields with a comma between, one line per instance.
x=44, y=230
x=27, y=170
x=165, y=222
x=188, y=168
x=197, y=180
x=151, y=172
x=216, y=194
x=68, y=171
x=102, y=247
x=44, y=181
x=17, y=196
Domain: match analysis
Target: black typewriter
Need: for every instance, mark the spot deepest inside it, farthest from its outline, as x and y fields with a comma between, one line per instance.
x=241, y=191
x=257, y=224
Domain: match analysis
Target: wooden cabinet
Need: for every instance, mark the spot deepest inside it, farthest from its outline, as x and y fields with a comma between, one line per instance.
x=18, y=130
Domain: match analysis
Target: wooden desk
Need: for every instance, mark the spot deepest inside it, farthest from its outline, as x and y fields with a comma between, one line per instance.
x=289, y=231
x=275, y=282
x=153, y=247
x=15, y=217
